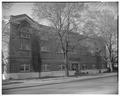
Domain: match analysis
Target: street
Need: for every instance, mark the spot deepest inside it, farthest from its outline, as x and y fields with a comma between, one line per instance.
x=105, y=85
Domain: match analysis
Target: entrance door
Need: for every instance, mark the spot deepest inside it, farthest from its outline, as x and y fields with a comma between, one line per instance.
x=74, y=66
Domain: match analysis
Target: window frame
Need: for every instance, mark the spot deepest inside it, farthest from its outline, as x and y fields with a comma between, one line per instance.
x=44, y=49
x=23, y=43
x=25, y=35
x=24, y=67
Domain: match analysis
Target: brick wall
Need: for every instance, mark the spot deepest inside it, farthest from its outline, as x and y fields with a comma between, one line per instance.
x=50, y=49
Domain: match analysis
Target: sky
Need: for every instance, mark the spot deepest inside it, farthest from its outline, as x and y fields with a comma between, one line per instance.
x=21, y=8
x=26, y=8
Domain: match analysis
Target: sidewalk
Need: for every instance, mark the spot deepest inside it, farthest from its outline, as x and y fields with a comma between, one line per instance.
x=41, y=82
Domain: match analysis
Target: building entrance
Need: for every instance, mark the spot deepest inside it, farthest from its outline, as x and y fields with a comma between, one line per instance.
x=75, y=66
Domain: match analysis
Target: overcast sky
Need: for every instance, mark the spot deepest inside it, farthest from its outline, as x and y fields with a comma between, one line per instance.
x=21, y=8
x=26, y=8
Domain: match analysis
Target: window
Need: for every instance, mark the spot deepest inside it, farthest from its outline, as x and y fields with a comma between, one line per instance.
x=25, y=44
x=25, y=68
x=25, y=35
x=45, y=49
x=44, y=67
x=62, y=67
x=25, y=40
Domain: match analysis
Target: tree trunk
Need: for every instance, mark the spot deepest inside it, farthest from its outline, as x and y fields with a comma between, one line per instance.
x=98, y=62
x=39, y=74
x=66, y=65
x=110, y=65
x=110, y=52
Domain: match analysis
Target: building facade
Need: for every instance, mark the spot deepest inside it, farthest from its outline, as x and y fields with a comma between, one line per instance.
x=32, y=45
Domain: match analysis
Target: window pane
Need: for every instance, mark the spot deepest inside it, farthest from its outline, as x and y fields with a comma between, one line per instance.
x=24, y=67
x=25, y=44
x=24, y=35
x=21, y=68
x=27, y=68
x=44, y=48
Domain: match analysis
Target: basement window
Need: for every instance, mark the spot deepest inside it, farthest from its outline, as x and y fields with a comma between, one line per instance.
x=25, y=68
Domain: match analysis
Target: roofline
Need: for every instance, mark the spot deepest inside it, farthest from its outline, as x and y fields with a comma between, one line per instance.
x=12, y=17
x=16, y=16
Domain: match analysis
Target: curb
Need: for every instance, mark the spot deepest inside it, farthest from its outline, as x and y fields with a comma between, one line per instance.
x=58, y=82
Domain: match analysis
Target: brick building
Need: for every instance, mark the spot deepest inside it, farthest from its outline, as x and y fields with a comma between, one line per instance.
x=22, y=44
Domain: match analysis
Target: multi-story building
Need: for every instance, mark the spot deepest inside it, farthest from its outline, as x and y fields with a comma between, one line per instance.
x=33, y=46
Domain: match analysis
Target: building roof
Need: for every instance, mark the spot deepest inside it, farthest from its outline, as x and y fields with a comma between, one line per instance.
x=21, y=17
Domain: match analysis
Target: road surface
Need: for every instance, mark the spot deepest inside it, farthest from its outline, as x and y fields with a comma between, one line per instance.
x=105, y=85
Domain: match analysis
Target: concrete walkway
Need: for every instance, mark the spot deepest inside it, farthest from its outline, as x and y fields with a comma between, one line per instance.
x=13, y=84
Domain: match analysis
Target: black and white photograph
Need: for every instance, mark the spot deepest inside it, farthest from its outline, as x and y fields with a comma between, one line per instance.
x=59, y=47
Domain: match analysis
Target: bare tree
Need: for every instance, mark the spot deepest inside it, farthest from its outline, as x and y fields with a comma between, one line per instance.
x=104, y=23
x=5, y=37
x=67, y=17
x=5, y=46
x=62, y=16
x=109, y=33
